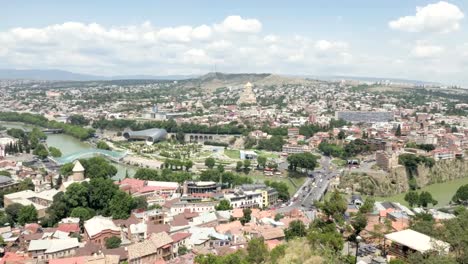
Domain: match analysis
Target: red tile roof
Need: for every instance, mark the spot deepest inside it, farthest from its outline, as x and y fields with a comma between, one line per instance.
x=180, y=236
x=69, y=227
x=73, y=260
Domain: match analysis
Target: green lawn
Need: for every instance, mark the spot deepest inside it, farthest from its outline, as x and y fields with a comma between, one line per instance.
x=260, y=177
x=339, y=162
x=266, y=154
x=442, y=192
x=232, y=153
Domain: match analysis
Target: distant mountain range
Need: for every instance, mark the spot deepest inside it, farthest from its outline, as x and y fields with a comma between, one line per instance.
x=59, y=75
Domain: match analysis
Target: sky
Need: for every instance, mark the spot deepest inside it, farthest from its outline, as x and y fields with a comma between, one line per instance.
x=419, y=40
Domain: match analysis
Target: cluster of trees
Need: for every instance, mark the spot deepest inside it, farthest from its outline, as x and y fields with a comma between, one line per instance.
x=26, y=141
x=305, y=161
x=243, y=166
x=177, y=164
x=461, y=196
x=78, y=120
x=164, y=175
x=103, y=145
x=99, y=196
x=452, y=231
x=13, y=148
x=281, y=188
x=223, y=205
x=18, y=213
x=96, y=167
x=228, y=179
x=55, y=152
x=411, y=162
x=39, y=120
x=310, y=129
x=353, y=148
x=275, y=143
x=426, y=147
x=420, y=199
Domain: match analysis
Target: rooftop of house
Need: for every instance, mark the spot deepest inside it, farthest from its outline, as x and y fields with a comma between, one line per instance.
x=53, y=245
x=149, y=246
x=98, y=224
x=417, y=241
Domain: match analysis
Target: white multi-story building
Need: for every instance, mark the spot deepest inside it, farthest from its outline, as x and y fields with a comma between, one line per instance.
x=246, y=199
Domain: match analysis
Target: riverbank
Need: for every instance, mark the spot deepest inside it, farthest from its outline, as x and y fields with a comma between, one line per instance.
x=68, y=144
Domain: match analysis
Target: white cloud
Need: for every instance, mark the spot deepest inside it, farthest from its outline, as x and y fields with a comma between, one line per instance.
x=234, y=44
x=239, y=25
x=440, y=17
x=325, y=45
x=426, y=51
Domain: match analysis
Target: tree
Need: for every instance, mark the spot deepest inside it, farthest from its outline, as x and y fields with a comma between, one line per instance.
x=296, y=229
x=412, y=197
x=257, y=251
x=182, y=250
x=341, y=135
x=78, y=120
x=210, y=162
x=261, y=161
x=55, y=152
x=281, y=188
x=247, y=164
x=188, y=165
x=398, y=131
x=103, y=145
x=113, y=242
x=82, y=213
x=302, y=160
x=146, y=174
x=223, y=205
x=77, y=195
x=13, y=211
x=335, y=206
x=359, y=223
x=461, y=196
x=247, y=215
x=98, y=167
x=277, y=253
x=120, y=205
x=27, y=214
x=425, y=198
x=41, y=151
x=239, y=166
x=368, y=205
x=220, y=168
x=454, y=129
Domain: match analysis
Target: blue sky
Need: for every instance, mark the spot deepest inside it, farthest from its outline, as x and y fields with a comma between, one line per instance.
x=290, y=37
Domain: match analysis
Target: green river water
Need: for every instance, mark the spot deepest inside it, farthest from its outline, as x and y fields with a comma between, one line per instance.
x=68, y=144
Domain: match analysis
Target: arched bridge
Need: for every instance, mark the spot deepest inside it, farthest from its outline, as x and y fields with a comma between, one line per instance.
x=113, y=155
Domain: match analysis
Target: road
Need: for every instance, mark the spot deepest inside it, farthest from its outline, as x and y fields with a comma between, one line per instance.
x=313, y=188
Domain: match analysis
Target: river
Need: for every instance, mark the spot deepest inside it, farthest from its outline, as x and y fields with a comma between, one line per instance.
x=68, y=144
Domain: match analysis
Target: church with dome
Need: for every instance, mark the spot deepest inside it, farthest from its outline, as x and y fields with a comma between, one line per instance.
x=247, y=96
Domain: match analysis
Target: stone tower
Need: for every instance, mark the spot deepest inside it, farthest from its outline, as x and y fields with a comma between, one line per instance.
x=78, y=171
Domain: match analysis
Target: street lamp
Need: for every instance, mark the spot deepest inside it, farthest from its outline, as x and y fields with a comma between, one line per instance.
x=358, y=239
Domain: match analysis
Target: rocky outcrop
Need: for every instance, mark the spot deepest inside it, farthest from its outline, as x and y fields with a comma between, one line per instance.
x=396, y=181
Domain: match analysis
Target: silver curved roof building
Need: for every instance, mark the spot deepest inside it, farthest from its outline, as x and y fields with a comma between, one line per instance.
x=149, y=135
